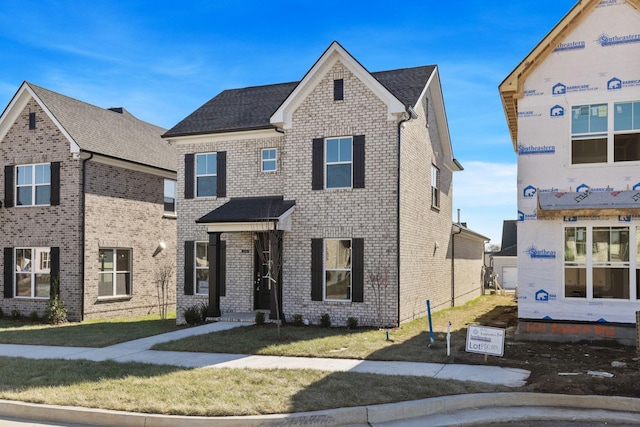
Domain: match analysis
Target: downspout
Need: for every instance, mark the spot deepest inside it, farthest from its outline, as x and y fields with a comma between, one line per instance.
x=83, y=221
x=411, y=115
x=453, y=258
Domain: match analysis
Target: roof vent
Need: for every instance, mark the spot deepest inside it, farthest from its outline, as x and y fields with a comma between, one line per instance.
x=117, y=109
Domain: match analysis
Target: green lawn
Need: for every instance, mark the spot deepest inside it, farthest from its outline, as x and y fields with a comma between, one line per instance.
x=409, y=342
x=90, y=333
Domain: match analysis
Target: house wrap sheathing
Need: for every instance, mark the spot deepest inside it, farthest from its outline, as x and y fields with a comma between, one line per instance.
x=573, y=109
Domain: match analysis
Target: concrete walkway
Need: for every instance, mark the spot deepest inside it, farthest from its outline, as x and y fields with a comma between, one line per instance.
x=139, y=351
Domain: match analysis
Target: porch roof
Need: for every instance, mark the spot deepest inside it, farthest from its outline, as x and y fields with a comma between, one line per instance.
x=250, y=214
x=589, y=203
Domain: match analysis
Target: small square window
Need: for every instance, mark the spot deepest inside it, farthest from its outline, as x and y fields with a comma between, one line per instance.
x=269, y=160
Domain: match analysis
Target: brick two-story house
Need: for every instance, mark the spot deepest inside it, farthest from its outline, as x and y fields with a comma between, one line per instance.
x=351, y=170
x=573, y=110
x=89, y=195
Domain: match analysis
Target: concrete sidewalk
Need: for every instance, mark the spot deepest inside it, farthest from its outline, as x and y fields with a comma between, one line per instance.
x=139, y=351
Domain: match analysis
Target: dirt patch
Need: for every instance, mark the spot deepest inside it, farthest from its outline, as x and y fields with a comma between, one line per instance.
x=556, y=367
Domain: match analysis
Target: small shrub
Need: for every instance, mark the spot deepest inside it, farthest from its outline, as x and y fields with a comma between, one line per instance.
x=33, y=316
x=57, y=311
x=15, y=314
x=325, y=320
x=352, y=322
x=204, y=309
x=260, y=318
x=193, y=315
x=297, y=320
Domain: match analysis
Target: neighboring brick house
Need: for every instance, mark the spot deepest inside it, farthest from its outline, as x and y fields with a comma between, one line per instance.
x=352, y=169
x=83, y=201
x=573, y=110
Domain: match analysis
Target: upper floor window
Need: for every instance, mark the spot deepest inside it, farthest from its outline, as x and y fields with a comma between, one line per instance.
x=269, y=160
x=33, y=272
x=114, y=277
x=33, y=184
x=338, y=90
x=338, y=161
x=169, y=196
x=435, y=186
x=597, y=136
x=206, y=175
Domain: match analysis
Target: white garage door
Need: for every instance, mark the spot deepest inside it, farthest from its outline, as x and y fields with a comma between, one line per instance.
x=509, y=277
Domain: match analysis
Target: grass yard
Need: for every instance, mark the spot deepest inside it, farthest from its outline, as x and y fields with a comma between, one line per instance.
x=136, y=387
x=409, y=342
x=90, y=333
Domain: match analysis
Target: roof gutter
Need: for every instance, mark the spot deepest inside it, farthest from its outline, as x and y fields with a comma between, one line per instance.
x=411, y=115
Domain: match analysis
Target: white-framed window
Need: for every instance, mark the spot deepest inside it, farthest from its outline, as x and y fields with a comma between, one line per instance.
x=206, y=174
x=597, y=262
x=114, y=272
x=337, y=269
x=599, y=136
x=33, y=272
x=269, y=159
x=435, y=186
x=169, y=196
x=201, y=265
x=33, y=184
x=339, y=162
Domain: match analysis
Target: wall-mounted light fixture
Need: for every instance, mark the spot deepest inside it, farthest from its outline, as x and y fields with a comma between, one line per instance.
x=162, y=246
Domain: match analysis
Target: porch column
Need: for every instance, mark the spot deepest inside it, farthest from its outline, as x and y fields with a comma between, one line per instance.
x=215, y=274
x=275, y=248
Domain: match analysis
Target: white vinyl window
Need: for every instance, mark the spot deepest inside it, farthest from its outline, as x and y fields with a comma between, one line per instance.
x=435, y=186
x=269, y=160
x=201, y=268
x=33, y=272
x=337, y=269
x=597, y=262
x=339, y=162
x=114, y=272
x=169, y=196
x=33, y=185
x=206, y=174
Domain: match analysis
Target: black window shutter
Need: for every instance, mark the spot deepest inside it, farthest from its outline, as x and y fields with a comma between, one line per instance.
x=317, y=179
x=9, y=268
x=223, y=268
x=8, y=186
x=357, y=270
x=55, y=184
x=188, y=267
x=54, y=282
x=188, y=175
x=358, y=161
x=32, y=121
x=338, y=90
x=222, y=174
x=316, y=269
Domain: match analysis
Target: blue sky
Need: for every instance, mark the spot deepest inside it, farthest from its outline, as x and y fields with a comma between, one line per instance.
x=163, y=59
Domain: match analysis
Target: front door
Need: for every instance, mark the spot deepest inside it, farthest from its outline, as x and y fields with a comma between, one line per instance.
x=262, y=285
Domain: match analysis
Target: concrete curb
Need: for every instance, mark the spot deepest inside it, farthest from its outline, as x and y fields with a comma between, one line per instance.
x=611, y=409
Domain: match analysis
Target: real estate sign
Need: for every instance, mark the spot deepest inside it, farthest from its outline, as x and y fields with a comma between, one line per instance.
x=485, y=340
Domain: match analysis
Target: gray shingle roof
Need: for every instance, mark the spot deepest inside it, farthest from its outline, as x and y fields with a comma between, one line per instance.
x=249, y=209
x=103, y=131
x=252, y=107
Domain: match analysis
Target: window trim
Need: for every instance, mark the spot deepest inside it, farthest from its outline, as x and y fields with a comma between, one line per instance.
x=196, y=175
x=33, y=185
x=339, y=162
x=35, y=251
x=324, y=270
x=115, y=272
x=274, y=160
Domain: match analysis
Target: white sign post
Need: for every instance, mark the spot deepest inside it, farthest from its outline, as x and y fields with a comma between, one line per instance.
x=485, y=340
